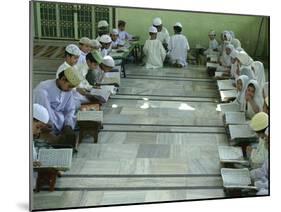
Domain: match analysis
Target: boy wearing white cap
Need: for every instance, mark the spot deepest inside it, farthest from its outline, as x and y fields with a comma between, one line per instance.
x=71, y=56
x=105, y=41
x=85, y=47
x=102, y=29
x=153, y=50
x=57, y=97
x=178, y=47
x=259, y=155
x=162, y=32
x=95, y=45
x=116, y=42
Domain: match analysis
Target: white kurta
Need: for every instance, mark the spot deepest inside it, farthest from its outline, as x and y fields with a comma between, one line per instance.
x=60, y=104
x=178, y=47
x=155, y=53
x=123, y=36
x=82, y=58
x=163, y=36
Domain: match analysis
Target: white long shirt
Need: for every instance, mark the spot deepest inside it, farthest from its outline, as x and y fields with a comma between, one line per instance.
x=163, y=36
x=155, y=53
x=60, y=104
x=178, y=46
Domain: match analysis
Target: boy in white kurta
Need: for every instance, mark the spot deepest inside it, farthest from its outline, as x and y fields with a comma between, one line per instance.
x=213, y=43
x=178, y=47
x=85, y=46
x=71, y=57
x=57, y=97
x=154, y=50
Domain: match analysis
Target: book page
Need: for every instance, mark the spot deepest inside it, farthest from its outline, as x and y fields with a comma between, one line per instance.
x=235, y=177
x=235, y=118
x=57, y=158
x=90, y=116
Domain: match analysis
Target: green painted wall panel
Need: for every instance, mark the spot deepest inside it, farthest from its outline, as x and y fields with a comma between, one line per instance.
x=197, y=25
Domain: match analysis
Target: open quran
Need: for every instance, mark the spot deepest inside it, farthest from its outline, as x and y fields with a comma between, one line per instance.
x=230, y=154
x=235, y=118
x=225, y=84
x=228, y=107
x=236, y=178
x=228, y=95
x=90, y=116
x=241, y=131
x=59, y=159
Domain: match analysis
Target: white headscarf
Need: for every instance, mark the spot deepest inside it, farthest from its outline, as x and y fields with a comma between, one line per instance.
x=240, y=97
x=236, y=43
x=259, y=72
x=244, y=58
x=246, y=70
x=257, y=96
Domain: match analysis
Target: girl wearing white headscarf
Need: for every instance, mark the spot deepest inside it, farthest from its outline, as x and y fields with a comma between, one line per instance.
x=234, y=70
x=246, y=70
x=258, y=69
x=236, y=43
x=244, y=59
x=241, y=84
x=253, y=102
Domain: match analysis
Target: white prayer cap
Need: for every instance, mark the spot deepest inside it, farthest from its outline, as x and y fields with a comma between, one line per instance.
x=259, y=121
x=40, y=113
x=157, y=21
x=73, y=49
x=108, y=61
x=102, y=23
x=73, y=76
x=212, y=32
x=114, y=32
x=105, y=39
x=95, y=43
x=85, y=41
x=178, y=24
x=153, y=29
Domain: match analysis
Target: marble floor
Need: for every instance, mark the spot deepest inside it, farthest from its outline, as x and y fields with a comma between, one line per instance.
x=159, y=142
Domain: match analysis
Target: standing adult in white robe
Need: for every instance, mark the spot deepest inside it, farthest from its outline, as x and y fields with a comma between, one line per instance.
x=154, y=50
x=178, y=47
x=162, y=32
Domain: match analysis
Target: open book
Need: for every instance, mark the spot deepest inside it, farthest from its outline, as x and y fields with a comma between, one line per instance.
x=230, y=154
x=225, y=84
x=228, y=107
x=236, y=178
x=112, y=78
x=100, y=94
x=90, y=116
x=235, y=118
x=241, y=131
x=55, y=158
x=228, y=95
x=212, y=65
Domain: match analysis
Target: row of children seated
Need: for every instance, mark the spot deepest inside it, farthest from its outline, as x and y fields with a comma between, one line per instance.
x=241, y=83
x=88, y=75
